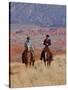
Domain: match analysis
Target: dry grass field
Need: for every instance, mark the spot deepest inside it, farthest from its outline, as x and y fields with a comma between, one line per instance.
x=39, y=75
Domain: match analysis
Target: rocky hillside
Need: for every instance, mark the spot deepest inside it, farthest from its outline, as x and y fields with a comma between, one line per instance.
x=38, y=14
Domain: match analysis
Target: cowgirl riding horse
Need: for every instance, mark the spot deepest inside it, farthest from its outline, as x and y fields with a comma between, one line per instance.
x=46, y=54
x=28, y=54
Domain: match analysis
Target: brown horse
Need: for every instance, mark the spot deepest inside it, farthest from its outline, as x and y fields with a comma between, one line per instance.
x=47, y=56
x=28, y=57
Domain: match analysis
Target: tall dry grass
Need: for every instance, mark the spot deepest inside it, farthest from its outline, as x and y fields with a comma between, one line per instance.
x=39, y=75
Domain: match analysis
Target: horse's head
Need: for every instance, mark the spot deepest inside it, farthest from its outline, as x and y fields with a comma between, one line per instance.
x=28, y=47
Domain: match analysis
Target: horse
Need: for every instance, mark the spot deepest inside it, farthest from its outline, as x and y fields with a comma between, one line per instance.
x=47, y=56
x=28, y=56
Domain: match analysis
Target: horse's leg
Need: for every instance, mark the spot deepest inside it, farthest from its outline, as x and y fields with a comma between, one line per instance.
x=23, y=57
x=29, y=64
x=29, y=59
x=26, y=60
x=32, y=58
x=44, y=60
x=48, y=62
x=50, y=58
x=33, y=63
x=26, y=64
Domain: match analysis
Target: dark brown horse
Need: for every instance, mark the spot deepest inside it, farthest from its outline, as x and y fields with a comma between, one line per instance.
x=47, y=56
x=28, y=57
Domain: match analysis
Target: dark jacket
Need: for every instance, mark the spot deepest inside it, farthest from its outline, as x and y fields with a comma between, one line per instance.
x=47, y=42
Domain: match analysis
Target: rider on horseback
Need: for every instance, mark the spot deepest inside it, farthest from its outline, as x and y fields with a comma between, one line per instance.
x=47, y=43
x=28, y=54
